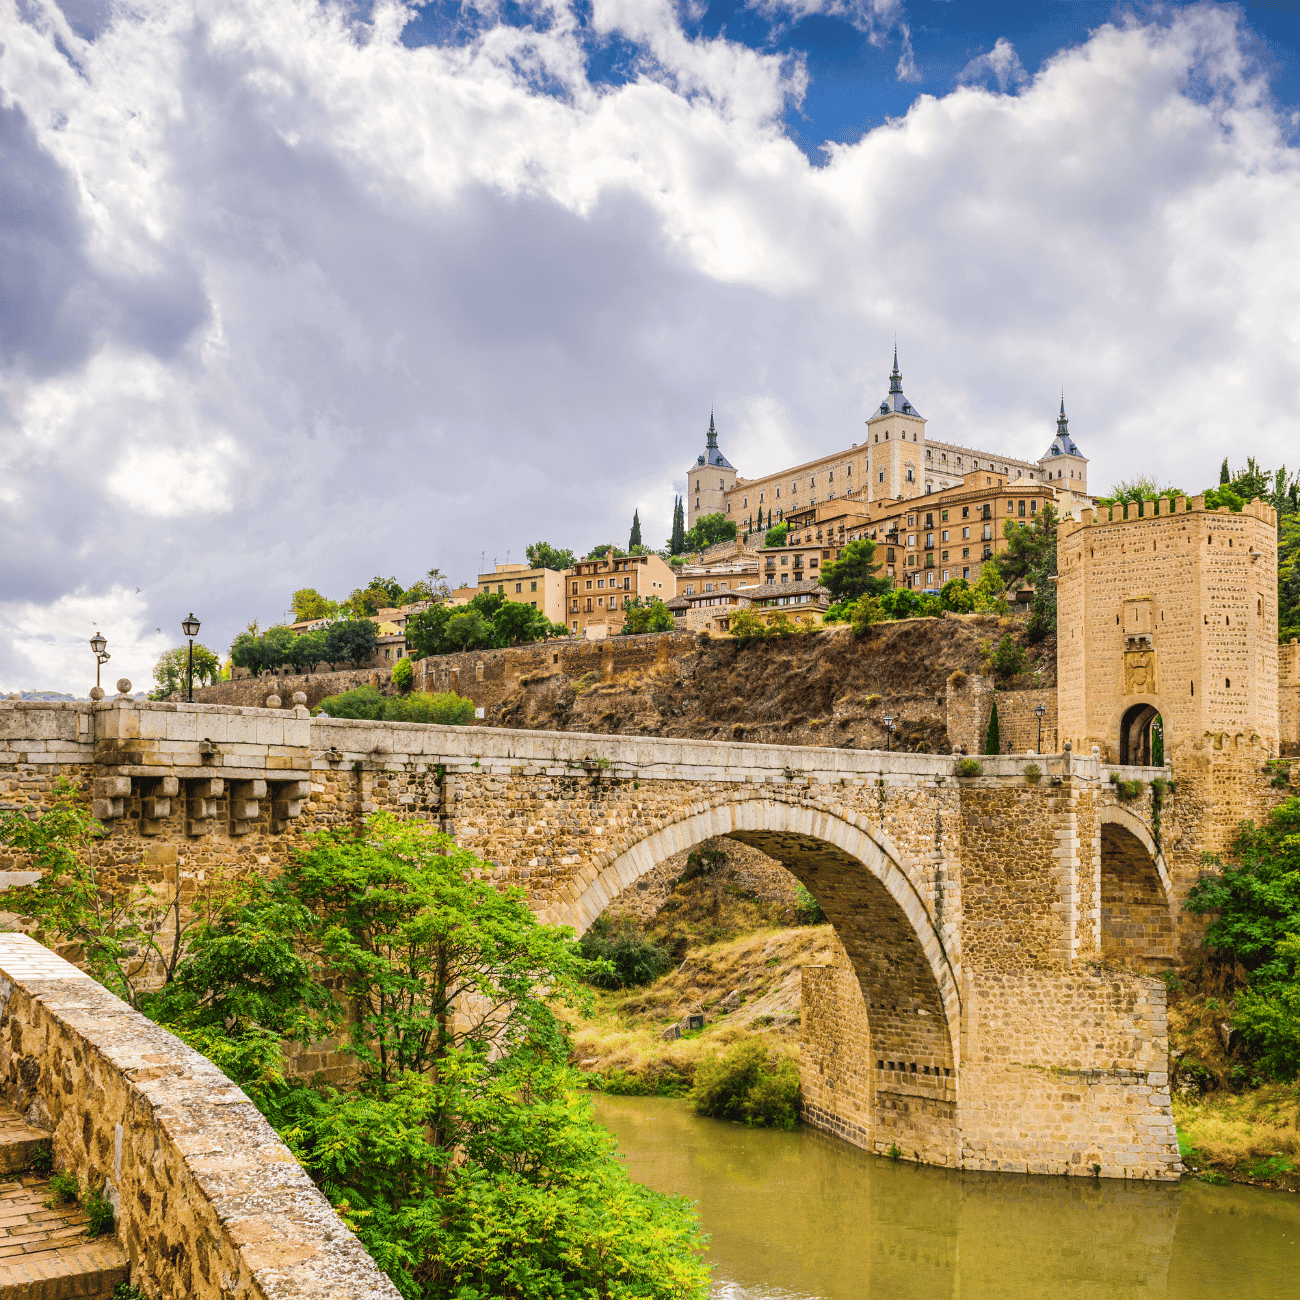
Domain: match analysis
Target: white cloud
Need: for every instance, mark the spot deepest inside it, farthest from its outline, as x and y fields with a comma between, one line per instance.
x=287, y=303
x=1001, y=66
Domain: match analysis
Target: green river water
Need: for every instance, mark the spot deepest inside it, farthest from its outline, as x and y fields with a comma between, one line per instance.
x=800, y=1215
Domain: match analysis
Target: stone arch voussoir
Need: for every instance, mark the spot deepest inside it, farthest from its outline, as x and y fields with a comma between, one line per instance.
x=1118, y=815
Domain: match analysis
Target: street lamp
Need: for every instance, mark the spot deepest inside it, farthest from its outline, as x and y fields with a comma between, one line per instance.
x=1040, y=710
x=98, y=644
x=191, y=629
x=889, y=731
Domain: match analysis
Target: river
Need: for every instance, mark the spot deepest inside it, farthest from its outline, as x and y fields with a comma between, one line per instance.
x=803, y=1216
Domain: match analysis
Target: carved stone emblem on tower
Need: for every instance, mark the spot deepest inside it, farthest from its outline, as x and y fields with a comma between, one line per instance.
x=1140, y=672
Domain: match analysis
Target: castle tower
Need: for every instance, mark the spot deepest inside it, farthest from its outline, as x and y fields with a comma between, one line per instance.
x=1066, y=468
x=1171, y=611
x=708, y=481
x=895, y=445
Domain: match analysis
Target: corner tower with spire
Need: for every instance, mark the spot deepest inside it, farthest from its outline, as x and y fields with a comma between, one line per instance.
x=896, y=461
x=1065, y=467
x=708, y=480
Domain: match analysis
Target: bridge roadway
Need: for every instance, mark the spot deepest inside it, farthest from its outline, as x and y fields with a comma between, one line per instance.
x=974, y=1020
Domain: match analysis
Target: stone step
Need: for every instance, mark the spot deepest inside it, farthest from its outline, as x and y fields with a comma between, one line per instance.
x=19, y=1141
x=45, y=1252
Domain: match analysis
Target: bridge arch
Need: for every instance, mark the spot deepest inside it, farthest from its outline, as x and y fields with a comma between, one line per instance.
x=1138, y=915
x=909, y=981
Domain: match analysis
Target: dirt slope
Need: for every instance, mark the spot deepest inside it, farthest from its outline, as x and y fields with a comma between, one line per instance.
x=822, y=688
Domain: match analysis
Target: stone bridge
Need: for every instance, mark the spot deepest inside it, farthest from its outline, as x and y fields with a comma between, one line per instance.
x=987, y=1014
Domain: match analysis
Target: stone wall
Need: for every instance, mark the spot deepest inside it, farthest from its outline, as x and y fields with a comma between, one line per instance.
x=1289, y=698
x=252, y=692
x=970, y=703
x=209, y=1203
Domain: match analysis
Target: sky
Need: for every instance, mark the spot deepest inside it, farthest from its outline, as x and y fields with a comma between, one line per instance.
x=296, y=293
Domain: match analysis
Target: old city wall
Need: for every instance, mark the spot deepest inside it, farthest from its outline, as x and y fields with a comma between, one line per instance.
x=253, y=692
x=1288, y=701
x=208, y=1203
x=912, y=865
x=969, y=703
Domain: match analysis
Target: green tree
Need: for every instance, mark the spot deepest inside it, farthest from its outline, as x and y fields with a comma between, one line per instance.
x=418, y=592
x=651, y=615
x=363, y=702
x=709, y=530
x=747, y=626
x=989, y=591
x=468, y=630
x=623, y=956
x=1030, y=558
x=776, y=535
x=957, y=596
x=1288, y=579
x=431, y=959
x=904, y=602
x=993, y=737
x=351, y=641
x=745, y=1082
x=426, y=631
x=1224, y=475
x=1253, y=482
x=1007, y=658
x=308, y=650
x=403, y=675
x=258, y=654
x=850, y=576
x=1141, y=488
x=309, y=603
x=541, y=555
x=170, y=670
x=515, y=624
x=677, y=541
x=605, y=549
x=865, y=611
x=634, y=538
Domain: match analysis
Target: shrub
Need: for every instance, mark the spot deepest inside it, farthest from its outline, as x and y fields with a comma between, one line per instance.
x=747, y=627
x=64, y=1187
x=969, y=767
x=957, y=679
x=632, y=958
x=444, y=707
x=993, y=737
x=99, y=1213
x=1033, y=773
x=745, y=1084
x=364, y=702
x=1126, y=790
x=807, y=908
x=1007, y=658
x=403, y=675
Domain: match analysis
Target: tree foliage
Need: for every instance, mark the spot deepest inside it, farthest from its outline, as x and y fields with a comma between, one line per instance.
x=709, y=530
x=851, y=575
x=993, y=736
x=677, y=541
x=368, y=702
x=745, y=1082
x=542, y=555
x=776, y=535
x=170, y=670
x=1255, y=930
x=308, y=603
x=622, y=956
x=347, y=641
x=1030, y=558
x=651, y=615
x=634, y=538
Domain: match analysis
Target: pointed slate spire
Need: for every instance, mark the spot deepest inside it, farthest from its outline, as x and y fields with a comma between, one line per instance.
x=895, y=379
x=713, y=433
x=1062, y=424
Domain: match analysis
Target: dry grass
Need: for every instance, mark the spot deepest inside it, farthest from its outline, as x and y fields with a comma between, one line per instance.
x=1249, y=1137
x=624, y=1035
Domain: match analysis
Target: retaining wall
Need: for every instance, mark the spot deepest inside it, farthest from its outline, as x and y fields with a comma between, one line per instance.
x=209, y=1203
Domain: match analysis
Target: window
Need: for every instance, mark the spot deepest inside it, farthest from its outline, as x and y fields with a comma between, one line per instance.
x=988, y=531
x=965, y=532
x=1021, y=511
x=1033, y=505
x=690, y=591
x=945, y=516
x=911, y=519
x=588, y=584
x=929, y=520
x=501, y=589
x=965, y=512
x=945, y=572
x=889, y=554
x=600, y=582
x=965, y=573
x=944, y=556
x=882, y=476
x=929, y=540
x=627, y=583
x=760, y=496
x=575, y=588
x=785, y=559
x=945, y=534
x=911, y=539
x=910, y=477
x=519, y=586
x=600, y=600
x=965, y=552
x=532, y=586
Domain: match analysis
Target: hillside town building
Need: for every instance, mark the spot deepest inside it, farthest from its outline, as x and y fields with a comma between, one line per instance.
x=541, y=589
x=600, y=591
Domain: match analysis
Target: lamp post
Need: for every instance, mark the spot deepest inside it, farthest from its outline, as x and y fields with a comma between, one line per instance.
x=889, y=732
x=98, y=644
x=1040, y=710
x=190, y=627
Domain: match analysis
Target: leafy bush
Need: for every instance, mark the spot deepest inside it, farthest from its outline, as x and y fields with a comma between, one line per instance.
x=444, y=707
x=903, y=602
x=1007, y=658
x=776, y=536
x=1126, y=790
x=403, y=675
x=807, y=909
x=1268, y=1017
x=99, y=1213
x=744, y=1083
x=957, y=596
x=364, y=702
x=1033, y=773
x=969, y=767
x=64, y=1188
x=632, y=958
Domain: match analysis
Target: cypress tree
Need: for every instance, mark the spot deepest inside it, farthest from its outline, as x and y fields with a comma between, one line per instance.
x=635, y=538
x=677, y=541
x=993, y=740
x=1224, y=475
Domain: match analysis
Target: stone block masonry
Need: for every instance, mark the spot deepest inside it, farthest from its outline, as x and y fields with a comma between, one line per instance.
x=934, y=884
x=209, y=1203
